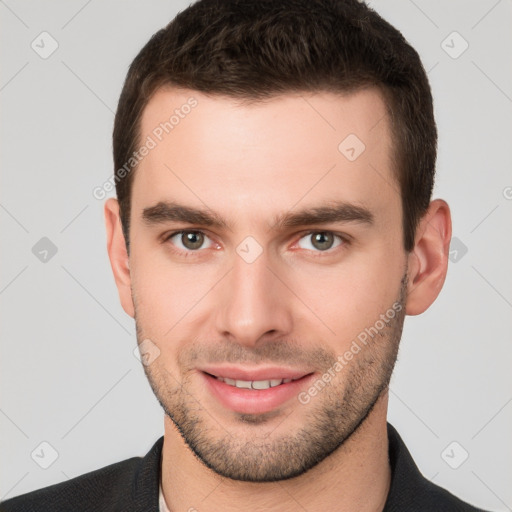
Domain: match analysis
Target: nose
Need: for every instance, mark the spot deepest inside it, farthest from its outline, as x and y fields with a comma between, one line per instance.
x=253, y=304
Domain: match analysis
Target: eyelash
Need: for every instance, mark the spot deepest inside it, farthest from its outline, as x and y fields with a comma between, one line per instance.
x=344, y=241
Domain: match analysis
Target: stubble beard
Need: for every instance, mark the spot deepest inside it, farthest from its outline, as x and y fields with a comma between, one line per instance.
x=332, y=417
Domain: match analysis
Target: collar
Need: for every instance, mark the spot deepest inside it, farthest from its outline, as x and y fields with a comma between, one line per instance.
x=409, y=489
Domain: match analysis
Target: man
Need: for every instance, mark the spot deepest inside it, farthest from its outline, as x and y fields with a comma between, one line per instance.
x=273, y=226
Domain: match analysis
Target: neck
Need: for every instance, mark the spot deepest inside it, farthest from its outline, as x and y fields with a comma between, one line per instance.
x=355, y=477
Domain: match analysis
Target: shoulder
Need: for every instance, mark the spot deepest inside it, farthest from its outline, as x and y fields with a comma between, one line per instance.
x=410, y=490
x=436, y=498
x=115, y=487
x=92, y=490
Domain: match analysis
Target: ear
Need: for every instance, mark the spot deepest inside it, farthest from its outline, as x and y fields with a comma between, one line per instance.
x=428, y=260
x=118, y=255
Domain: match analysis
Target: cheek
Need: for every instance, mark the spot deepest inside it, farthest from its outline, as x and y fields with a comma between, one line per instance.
x=159, y=293
x=164, y=301
x=167, y=296
x=351, y=296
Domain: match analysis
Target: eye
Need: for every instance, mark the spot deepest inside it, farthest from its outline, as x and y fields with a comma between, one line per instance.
x=190, y=240
x=320, y=241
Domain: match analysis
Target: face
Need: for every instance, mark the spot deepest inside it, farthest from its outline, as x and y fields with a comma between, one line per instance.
x=267, y=273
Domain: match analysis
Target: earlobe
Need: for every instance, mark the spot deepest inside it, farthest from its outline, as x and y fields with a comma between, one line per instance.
x=118, y=255
x=428, y=261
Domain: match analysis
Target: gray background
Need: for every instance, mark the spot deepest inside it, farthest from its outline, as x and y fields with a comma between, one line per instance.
x=68, y=373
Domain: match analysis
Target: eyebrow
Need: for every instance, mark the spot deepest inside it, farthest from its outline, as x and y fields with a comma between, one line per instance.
x=166, y=211
x=333, y=212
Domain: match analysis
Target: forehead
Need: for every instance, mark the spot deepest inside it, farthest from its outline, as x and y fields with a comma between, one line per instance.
x=265, y=156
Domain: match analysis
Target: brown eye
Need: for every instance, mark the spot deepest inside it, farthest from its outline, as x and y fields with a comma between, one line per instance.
x=190, y=240
x=320, y=241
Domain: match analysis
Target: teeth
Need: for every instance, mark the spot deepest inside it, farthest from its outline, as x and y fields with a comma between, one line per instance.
x=254, y=384
x=261, y=384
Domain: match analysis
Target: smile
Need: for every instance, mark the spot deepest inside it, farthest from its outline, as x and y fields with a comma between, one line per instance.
x=254, y=384
x=254, y=391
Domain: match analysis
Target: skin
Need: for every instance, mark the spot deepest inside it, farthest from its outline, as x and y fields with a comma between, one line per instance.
x=250, y=164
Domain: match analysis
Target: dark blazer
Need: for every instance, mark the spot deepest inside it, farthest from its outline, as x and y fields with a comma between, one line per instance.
x=133, y=484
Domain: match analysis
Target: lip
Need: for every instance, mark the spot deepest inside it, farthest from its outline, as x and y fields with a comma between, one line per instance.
x=250, y=401
x=263, y=373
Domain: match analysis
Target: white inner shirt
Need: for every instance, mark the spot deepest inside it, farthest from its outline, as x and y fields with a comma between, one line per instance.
x=161, y=500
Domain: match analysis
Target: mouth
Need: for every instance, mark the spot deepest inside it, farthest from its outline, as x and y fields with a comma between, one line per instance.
x=254, y=384
x=254, y=391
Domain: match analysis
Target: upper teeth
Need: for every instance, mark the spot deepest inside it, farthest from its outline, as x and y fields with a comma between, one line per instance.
x=254, y=384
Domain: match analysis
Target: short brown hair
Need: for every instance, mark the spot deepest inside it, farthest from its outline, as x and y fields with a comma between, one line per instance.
x=253, y=50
